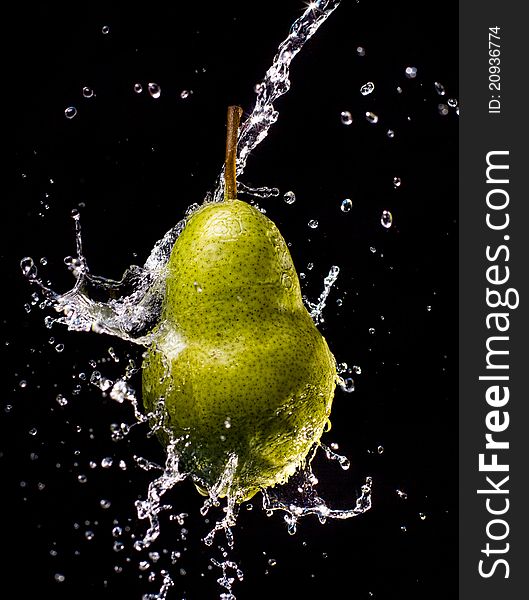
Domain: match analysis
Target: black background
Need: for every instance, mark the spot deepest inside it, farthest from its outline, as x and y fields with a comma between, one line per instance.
x=136, y=163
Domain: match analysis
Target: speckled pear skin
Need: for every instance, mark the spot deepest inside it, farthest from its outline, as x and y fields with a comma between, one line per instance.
x=238, y=360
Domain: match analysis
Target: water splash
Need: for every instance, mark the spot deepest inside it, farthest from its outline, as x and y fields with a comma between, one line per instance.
x=316, y=308
x=276, y=83
x=298, y=498
x=151, y=507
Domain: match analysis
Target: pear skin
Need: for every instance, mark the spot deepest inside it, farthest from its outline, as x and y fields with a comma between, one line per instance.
x=238, y=361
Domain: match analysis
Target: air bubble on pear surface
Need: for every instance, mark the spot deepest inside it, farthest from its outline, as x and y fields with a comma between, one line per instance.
x=361, y=51
x=397, y=181
x=87, y=92
x=59, y=577
x=452, y=102
x=313, y=224
x=184, y=94
x=371, y=117
x=411, y=72
x=346, y=205
x=367, y=88
x=105, y=30
x=390, y=134
x=346, y=117
x=70, y=112
x=443, y=109
x=138, y=88
x=386, y=219
x=154, y=90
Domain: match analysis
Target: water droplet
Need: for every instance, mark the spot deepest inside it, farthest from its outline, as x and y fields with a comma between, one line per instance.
x=347, y=385
x=428, y=308
x=310, y=266
x=367, y=88
x=22, y=383
x=118, y=546
x=289, y=197
x=399, y=90
x=411, y=72
x=70, y=112
x=371, y=117
x=313, y=224
x=397, y=181
x=89, y=535
x=87, y=92
x=105, y=29
x=361, y=51
x=144, y=565
x=154, y=90
x=59, y=347
x=346, y=205
x=422, y=516
x=402, y=495
x=59, y=577
x=372, y=330
x=43, y=261
x=272, y=562
x=227, y=423
x=106, y=462
x=117, y=531
x=61, y=400
x=391, y=133
x=104, y=503
x=138, y=88
x=443, y=109
x=452, y=102
x=184, y=94
x=82, y=478
x=28, y=267
x=403, y=528
x=386, y=219
x=439, y=88
x=372, y=249
x=380, y=449
x=346, y=117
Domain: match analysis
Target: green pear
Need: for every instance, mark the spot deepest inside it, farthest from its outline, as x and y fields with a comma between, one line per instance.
x=238, y=362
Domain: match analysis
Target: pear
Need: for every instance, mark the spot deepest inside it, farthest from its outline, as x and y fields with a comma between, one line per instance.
x=238, y=363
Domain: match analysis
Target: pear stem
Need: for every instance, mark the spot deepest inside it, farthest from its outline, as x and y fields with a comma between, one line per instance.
x=230, y=167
